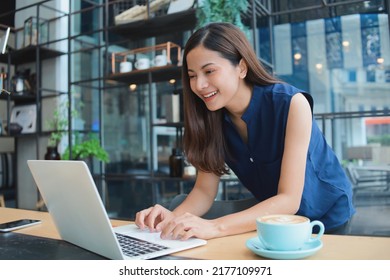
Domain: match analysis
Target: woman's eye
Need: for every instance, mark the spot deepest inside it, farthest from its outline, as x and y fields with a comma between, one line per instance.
x=209, y=71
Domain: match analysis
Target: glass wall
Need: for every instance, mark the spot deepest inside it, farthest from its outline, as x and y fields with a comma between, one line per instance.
x=338, y=60
x=341, y=55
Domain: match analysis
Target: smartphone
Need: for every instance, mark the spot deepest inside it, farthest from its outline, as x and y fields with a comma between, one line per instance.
x=17, y=224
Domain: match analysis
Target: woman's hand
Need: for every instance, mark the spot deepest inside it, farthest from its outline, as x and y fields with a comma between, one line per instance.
x=153, y=218
x=158, y=218
x=188, y=225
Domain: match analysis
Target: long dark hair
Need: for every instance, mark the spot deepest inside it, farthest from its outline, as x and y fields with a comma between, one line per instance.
x=204, y=143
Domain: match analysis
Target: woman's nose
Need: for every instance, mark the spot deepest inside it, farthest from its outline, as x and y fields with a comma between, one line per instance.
x=201, y=83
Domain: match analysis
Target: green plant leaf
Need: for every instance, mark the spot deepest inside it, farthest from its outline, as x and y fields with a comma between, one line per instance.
x=87, y=149
x=222, y=11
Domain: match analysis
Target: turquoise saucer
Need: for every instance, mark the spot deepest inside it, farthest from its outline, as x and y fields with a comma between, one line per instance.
x=308, y=249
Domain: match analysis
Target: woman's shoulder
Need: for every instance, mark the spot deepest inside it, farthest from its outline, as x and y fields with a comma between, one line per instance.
x=284, y=88
x=278, y=90
x=283, y=91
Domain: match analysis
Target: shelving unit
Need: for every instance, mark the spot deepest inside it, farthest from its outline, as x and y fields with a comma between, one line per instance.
x=129, y=122
x=158, y=26
x=37, y=56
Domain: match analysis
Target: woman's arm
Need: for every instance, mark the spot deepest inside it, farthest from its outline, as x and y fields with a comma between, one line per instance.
x=202, y=196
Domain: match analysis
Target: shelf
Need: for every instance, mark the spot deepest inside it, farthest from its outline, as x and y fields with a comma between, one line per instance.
x=160, y=25
x=19, y=135
x=158, y=74
x=170, y=124
x=18, y=98
x=4, y=135
x=121, y=57
x=28, y=54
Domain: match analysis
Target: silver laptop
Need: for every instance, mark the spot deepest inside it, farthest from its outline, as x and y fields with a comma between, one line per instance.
x=71, y=196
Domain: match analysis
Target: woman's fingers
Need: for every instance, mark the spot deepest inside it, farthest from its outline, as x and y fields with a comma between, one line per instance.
x=181, y=227
x=140, y=217
x=158, y=218
x=150, y=217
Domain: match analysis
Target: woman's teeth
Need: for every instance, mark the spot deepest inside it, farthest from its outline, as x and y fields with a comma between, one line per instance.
x=210, y=94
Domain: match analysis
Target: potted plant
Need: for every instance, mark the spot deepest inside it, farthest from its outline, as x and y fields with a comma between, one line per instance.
x=86, y=150
x=58, y=126
x=82, y=149
x=221, y=11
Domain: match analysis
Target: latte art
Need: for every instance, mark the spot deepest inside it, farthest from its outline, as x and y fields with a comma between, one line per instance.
x=283, y=219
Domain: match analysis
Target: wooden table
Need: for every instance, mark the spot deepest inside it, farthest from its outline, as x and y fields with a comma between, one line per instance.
x=336, y=247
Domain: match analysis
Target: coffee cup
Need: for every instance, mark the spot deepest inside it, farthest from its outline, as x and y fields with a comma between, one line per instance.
x=125, y=66
x=160, y=60
x=142, y=63
x=287, y=232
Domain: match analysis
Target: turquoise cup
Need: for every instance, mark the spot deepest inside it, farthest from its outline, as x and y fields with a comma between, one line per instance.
x=287, y=232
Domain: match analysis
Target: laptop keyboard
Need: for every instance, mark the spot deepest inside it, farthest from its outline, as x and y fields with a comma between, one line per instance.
x=133, y=247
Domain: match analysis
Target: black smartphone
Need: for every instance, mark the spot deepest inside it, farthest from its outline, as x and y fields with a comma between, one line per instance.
x=17, y=224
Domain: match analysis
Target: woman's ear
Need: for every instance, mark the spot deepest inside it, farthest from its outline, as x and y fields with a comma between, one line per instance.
x=243, y=68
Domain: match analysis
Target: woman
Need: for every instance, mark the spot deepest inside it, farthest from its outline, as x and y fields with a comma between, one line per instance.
x=238, y=115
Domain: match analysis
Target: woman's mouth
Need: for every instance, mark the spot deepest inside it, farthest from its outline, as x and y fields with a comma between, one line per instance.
x=211, y=94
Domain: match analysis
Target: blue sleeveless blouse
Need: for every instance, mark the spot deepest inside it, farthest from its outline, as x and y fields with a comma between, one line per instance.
x=327, y=193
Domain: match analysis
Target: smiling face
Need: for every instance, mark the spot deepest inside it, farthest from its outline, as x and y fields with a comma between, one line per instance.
x=215, y=80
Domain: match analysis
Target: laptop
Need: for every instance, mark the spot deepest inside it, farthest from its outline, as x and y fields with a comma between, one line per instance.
x=71, y=196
